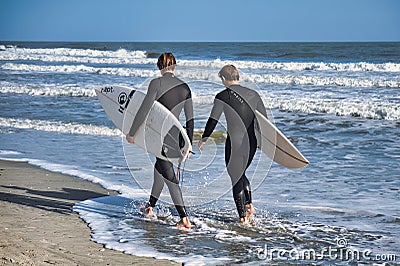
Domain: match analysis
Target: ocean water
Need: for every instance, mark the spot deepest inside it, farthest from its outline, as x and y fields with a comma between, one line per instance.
x=339, y=103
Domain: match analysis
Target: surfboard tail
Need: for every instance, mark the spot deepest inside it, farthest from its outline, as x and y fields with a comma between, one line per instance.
x=277, y=146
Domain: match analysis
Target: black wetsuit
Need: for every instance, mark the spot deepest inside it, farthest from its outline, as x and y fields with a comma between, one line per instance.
x=238, y=104
x=175, y=95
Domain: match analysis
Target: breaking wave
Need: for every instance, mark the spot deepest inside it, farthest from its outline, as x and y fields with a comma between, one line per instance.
x=53, y=91
x=210, y=75
x=138, y=57
x=58, y=126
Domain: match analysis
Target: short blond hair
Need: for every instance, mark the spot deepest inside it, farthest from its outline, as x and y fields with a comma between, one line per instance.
x=229, y=72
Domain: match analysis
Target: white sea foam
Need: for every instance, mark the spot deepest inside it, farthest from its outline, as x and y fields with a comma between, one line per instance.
x=295, y=66
x=126, y=72
x=8, y=152
x=113, y=228
x=347, y=107
x=123, y=56
x=365, y=108
x=48, y=90
x=323, y=81
x=210, y=75
x=120, y=56
x=58, y=126
x=120, y=53
x=72, y=170
x=88, y=175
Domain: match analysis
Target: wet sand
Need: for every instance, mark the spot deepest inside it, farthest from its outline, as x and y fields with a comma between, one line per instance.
x=38, y=227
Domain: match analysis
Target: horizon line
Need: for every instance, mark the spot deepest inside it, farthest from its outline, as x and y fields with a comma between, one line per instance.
x=204, y=41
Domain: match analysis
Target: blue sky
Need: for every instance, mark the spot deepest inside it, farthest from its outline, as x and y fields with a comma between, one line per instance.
x=205, y=20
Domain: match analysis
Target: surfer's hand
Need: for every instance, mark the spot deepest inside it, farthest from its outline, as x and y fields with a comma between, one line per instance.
x=201, y=143
x=189, y=154
x=130, y=139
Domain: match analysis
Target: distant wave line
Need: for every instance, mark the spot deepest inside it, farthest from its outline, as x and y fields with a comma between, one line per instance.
x=365, y=108
x=208, y=75
x=82, y=129
x=60, y=127
x=138, y=57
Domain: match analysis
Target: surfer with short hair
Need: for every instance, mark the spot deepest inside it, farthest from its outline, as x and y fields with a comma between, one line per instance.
x=239, y=105
x=175, y=95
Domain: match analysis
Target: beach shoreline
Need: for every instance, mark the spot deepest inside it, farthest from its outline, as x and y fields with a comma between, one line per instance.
x=38, y=226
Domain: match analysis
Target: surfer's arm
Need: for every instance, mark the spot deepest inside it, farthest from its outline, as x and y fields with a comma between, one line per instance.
x=213, y=119
x=144, y=109
x=188, y=108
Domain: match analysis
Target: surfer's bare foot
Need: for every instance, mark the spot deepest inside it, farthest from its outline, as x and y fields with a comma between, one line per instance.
x=249, y=210
x=149, y=213
x=184, y=223
x=244, y=221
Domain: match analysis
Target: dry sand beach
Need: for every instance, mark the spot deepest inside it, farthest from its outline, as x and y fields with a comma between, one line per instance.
x=37, y=226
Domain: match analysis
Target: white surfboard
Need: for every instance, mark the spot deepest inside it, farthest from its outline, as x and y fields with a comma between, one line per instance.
x=161, y=134
x=276, y=146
